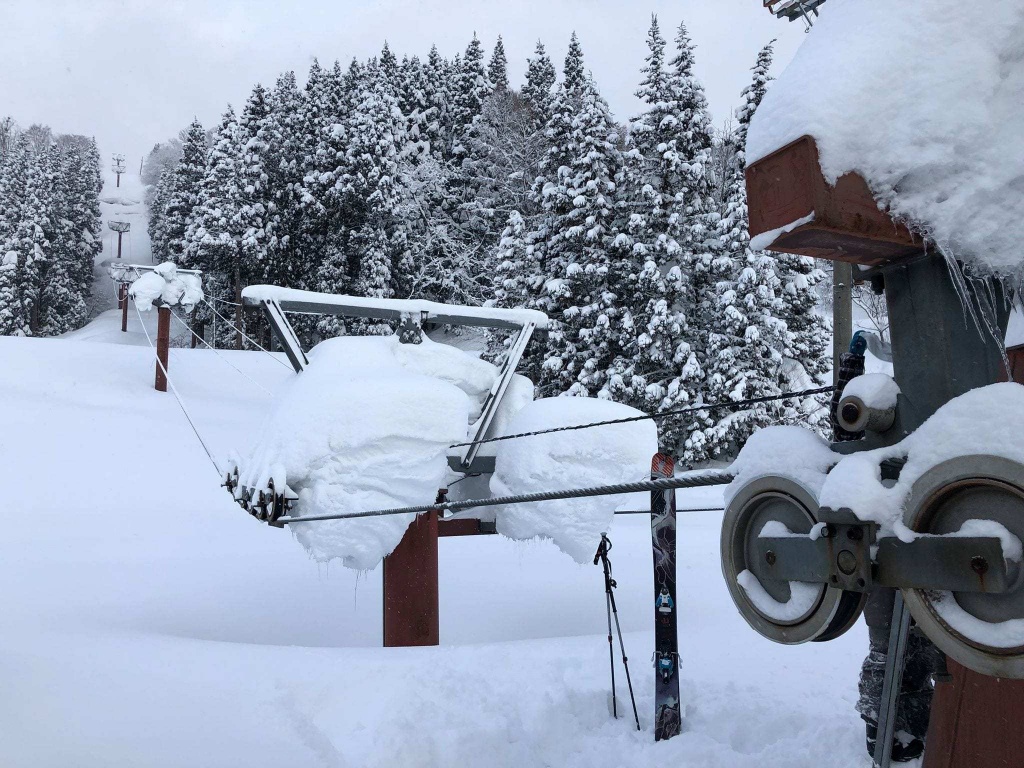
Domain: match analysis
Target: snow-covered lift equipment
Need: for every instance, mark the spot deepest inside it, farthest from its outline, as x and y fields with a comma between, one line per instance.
x=794, y=9
x=120, y=227
x=412, y=315
x=800, y=568
x=118, y=167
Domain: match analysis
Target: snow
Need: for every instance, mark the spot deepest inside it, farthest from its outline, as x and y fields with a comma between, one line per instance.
x=412, y=307
x=985, y=421
x=793, y=452
x=619, y=453
x=122, y=203
x=147, y=620
x=874, y=84
x=875, y=390
x=165, y=286
x=366, y=426
x=999, y=634
x=801, y=599
x=764, y=240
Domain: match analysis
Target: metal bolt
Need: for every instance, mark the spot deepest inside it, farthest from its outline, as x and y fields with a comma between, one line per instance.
x=826, y=532
x=854, y=534
x=979, y=565
x=769, y=557
x=847, y=561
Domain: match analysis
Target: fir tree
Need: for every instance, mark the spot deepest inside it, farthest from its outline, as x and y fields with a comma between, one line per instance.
x=540, y=79
x=180, y=195
x=497, y=69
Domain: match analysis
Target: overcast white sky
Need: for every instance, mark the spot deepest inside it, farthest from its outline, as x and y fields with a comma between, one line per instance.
x=134, y=73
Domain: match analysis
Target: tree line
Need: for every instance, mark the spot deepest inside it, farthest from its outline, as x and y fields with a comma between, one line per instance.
x=439, y=179
x=50, y=232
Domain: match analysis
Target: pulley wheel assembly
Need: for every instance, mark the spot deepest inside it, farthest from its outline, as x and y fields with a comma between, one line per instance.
x=983, y=495
x=783, y=611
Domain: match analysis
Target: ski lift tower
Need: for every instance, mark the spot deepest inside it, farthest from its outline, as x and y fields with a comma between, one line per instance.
x=120, y=227
x=938, y=355
x=118, y=167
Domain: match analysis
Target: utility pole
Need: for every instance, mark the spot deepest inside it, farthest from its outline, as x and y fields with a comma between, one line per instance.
x=842, y=312
x=120, y=227
x=118, y=167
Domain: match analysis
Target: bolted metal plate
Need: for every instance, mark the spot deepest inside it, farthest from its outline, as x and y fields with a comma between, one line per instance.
x=950, y=494
x=762, y=500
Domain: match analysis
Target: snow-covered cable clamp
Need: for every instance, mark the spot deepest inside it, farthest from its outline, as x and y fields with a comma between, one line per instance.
x=166, y=285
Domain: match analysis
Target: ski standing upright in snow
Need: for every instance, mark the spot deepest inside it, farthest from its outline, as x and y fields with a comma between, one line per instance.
x=667, y=718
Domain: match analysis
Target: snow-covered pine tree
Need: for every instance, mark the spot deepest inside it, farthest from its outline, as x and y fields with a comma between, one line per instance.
x=435, y=96
x=157, y=209
x=366, y=183
x=667, y=194
x=36, y=226
x=579, y=175
x=214, y=231
x=540, y=79
x=285, y=263
x=180, y=196
x=472, y=87
x=574, y=77
x=745, y=351
x=497, y=69
x=14, y=316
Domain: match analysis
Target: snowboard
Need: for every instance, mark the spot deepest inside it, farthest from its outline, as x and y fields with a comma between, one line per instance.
x=667, y=719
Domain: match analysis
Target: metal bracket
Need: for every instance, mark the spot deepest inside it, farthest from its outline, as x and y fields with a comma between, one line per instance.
x=285, y=334
x=951, y=563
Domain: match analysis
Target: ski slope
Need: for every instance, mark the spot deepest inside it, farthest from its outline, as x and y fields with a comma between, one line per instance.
x=147, y=621
x=124, y=203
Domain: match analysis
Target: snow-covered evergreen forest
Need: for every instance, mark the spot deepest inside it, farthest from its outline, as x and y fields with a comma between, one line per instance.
x=49, y=229
x=440, y=179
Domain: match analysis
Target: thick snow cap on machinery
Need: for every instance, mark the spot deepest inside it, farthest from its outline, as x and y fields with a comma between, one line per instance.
x=924, y=99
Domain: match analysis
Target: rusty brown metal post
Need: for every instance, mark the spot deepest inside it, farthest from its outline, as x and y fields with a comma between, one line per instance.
x=411, y=610
x=123, y=305
x=119, y=235
x=163, y=343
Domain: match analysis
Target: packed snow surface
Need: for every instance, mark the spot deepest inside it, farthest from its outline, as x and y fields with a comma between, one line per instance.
x=875, y=390
x=924, y=99
x=167, y=286
x=618, y=453
x=412, y=307
x=148, y=621
x=366, y=426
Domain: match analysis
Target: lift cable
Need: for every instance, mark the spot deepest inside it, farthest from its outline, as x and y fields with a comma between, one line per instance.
x=177, y=395
x=654, y=416
x=215, y=351
x=244, y=336
x=696, y=479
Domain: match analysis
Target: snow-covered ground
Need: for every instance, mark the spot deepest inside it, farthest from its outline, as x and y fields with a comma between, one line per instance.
x=147, y=621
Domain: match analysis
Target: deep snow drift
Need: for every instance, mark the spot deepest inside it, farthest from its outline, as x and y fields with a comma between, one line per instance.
x=147, y=621
x=923, y=98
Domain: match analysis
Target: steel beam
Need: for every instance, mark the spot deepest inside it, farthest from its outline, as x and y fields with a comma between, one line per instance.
x=951, y=563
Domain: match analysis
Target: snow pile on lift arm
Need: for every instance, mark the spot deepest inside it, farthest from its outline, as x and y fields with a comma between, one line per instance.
x=166, y=286
x=925, y=100
x=618, y=453
x=366, y=426
x=398, y=307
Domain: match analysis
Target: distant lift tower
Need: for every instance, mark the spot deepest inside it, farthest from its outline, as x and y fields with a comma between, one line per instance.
x=794, y=9
x=120, y=227
x=118, y=167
